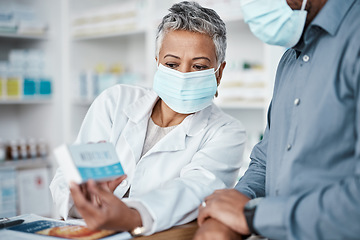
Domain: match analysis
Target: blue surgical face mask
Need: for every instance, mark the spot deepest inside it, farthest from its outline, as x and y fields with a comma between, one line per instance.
x=185, y=92
x=274, y=22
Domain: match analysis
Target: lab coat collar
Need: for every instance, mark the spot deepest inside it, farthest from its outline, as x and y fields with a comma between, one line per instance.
x=139, y=113
x=176, y=139
x=196, y=122
x=142, y=107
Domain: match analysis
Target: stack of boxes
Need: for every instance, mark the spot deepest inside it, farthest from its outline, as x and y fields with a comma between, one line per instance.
x=107, y=20
x=19, y=19
x=93, y=81
x=7, y=192
x=23, y=76
x=242, y=82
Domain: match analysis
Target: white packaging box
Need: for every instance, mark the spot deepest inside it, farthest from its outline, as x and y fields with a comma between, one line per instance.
x=7, y=192
x=33, y=191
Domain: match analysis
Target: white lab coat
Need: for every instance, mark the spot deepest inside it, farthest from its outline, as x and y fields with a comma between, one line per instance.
x=200, y=155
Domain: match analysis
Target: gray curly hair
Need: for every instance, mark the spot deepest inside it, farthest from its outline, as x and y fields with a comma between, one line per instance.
x=190, y=16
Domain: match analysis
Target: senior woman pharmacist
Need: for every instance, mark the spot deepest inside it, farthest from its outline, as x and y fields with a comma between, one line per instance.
x=175, y=145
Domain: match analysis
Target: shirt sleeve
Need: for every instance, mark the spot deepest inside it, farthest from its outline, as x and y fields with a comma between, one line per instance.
x=252, y=184
x=61, y=194
x=330, y=212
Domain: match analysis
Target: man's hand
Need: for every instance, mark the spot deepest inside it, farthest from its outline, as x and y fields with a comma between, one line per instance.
x=111, y=214
x=212, y=229
x=226, y=206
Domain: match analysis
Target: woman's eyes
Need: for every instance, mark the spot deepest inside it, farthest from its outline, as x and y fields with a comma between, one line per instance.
x=172, y=65
x=200, y=67
x=196, y=67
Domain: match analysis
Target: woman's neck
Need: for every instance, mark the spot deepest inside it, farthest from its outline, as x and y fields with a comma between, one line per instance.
x=164, y=116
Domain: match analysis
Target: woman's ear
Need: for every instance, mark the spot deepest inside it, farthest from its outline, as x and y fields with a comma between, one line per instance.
x=219, y=75
x=220, y=72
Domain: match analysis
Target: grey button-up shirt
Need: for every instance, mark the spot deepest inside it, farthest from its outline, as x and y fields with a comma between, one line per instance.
x=308, y=163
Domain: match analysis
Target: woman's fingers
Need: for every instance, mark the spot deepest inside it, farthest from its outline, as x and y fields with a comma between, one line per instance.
x=85, y=208
x=104, y=195
x=114, y=183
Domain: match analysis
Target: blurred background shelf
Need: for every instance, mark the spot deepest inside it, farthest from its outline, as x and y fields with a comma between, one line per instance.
x=26, y=163
x=116, y=34
x=23, y=36
x=24, y=101
x=83, y=102
x=255, y=105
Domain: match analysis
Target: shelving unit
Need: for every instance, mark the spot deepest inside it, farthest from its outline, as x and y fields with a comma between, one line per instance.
x=26, y=163
x=24, y=101
x=38, y=118
x=113, y=35
x=34, y=117
x=23, y=36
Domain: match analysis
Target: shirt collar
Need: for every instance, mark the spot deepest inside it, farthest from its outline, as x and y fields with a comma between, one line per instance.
x=329, y=18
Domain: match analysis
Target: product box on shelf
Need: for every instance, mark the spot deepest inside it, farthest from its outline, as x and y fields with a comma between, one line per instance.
x=33, y=191
x=24, y=76
x=17, y=19
x=8, y=192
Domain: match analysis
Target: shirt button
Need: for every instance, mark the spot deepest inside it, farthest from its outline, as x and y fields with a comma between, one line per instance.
x=288, y=147
x=124, y=183
x=297, y=102
x=306, y=58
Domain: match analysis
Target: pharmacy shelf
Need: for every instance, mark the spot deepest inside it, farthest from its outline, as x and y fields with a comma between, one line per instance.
x=246, y=105
x=24, y=101
x=109, y=35
x=83, y=102
x=23, y=36
x=25, y=163
x=233, y=19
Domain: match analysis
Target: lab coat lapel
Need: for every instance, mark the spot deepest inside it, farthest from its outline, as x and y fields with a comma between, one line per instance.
x=135, y=130
x=176, y=139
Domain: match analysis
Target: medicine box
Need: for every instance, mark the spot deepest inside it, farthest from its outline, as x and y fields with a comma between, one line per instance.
x=82, y=162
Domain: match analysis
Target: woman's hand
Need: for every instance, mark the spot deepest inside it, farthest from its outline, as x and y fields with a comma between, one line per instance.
x=109, y=186
x=212, y=229
x=111, y=214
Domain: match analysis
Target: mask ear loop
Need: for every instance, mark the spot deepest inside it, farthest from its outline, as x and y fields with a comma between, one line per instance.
x=217, y=68
x=216, y=94
x=303, y=5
